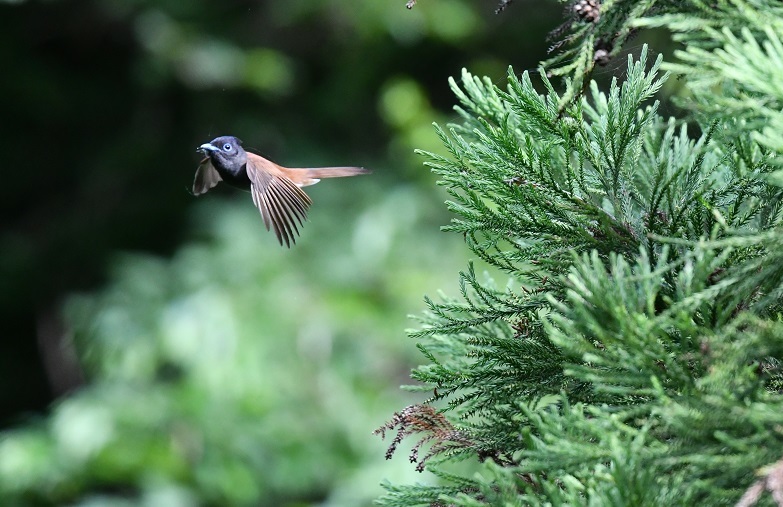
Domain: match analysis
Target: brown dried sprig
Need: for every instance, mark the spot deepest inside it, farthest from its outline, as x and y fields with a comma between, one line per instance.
x=435, y=427
x=772, y=481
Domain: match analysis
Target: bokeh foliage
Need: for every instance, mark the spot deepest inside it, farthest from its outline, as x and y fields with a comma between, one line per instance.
x=225, y=376
x=215, y=367
x=104, y=102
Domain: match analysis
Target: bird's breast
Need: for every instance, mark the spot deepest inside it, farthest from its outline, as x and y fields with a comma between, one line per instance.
x=237, y=178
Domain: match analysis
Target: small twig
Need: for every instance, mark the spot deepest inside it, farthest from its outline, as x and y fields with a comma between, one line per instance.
x=503, y=5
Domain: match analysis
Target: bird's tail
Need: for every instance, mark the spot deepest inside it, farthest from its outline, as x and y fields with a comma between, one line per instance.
x=336, y=172
x=315, y=174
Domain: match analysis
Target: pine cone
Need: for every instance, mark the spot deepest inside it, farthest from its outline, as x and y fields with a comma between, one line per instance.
x=588, y=10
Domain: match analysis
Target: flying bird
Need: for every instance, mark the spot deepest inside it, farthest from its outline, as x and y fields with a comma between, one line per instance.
x=276, y=190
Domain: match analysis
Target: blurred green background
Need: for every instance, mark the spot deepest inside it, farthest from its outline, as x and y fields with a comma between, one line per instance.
x=161, y=349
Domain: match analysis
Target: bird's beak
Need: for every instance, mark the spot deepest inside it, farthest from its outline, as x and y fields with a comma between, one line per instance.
x=206, y=147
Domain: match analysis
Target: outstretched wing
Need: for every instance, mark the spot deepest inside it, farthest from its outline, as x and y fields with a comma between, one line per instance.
x=206, y=177
x=281, y=202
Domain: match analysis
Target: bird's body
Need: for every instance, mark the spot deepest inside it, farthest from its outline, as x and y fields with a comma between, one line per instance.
x=276, y=190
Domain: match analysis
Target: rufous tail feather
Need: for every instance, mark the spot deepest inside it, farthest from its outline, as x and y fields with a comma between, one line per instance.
x=335, y=172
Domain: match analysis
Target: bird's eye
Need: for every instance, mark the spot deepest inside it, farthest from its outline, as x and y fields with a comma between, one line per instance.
x=227, y=147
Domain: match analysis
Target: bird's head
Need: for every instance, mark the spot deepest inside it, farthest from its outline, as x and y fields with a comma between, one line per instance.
x=225, y=152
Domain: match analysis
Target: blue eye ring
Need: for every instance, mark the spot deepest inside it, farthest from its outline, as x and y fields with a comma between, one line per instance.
x=226, y=147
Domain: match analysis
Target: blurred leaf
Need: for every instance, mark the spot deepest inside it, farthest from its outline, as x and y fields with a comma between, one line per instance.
x=239, y=372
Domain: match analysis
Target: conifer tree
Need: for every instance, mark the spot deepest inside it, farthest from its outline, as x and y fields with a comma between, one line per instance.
x=634, y=357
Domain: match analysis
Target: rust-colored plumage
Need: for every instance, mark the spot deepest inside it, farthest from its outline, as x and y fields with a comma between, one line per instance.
x=276, y=190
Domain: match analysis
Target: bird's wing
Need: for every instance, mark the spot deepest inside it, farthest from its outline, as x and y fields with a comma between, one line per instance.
x=206, y=177
x=281, y=202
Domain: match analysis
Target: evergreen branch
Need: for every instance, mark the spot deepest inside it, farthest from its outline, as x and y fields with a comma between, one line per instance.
x=635, y=356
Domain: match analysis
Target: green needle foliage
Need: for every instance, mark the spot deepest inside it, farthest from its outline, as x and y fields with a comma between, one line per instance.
x=634, y=357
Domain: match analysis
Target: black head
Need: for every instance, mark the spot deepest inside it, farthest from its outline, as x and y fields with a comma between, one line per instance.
x=226, y=153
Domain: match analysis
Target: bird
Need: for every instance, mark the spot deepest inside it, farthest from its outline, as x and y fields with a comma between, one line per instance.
x=276, y=190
